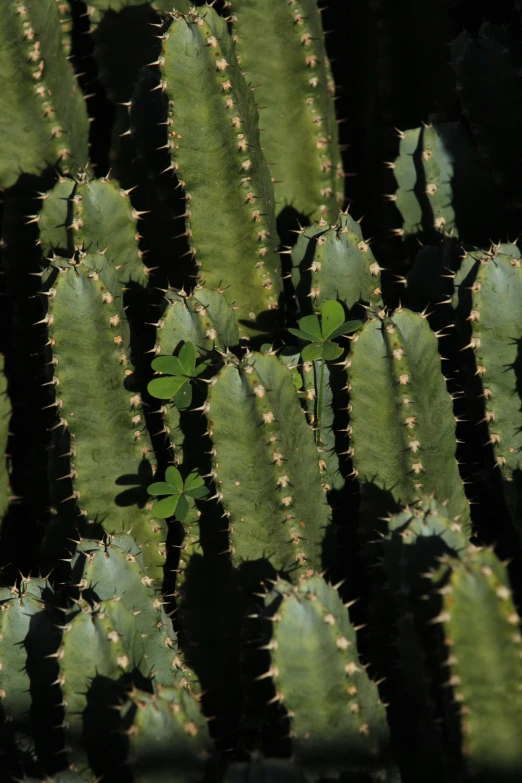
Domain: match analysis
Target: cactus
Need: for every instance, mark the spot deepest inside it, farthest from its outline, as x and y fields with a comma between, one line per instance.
x=98, y=483
x=260, y=483
x=266, y=468
x=93, y=216
x=337, y=720
x=334, y=262
x=479, y=617
x=397, y=385
x=492, y=331
x=44, y=119
x=441, y=185
x=280, y=49
x=223, y=128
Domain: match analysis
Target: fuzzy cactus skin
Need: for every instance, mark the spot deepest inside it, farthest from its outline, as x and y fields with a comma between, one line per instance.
x=43, y=118
x=98, y=481
x=334, y=262
x=402, y=423
x=337, y=721
x=280, y=49
x=489, y=318
x=213, y=138
x=29, y=635
x=266, y=467
x=481, y=623
x=167, y=734
x=93, y=215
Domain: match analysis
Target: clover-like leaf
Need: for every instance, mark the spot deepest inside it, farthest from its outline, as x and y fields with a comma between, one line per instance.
x=166, y=387
x=332, y=316
x=320, y=334
x=183, y=397
x=312, y=352
x=173, y=477
x=177, y=372
x=170, y=365
x=187, y=358
x=346, y=328
x=330, y=351
x=176, y=491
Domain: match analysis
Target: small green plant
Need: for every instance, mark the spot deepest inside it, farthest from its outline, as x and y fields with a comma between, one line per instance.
x=178, y=372
x=176, y=492
x=320, y=335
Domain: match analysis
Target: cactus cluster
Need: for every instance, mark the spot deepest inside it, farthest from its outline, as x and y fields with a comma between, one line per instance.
x=260, y=420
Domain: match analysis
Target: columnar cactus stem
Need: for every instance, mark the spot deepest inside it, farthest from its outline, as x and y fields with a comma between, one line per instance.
x=213, y=139
x=266, y=466
x=43, y=118
x=402, y=422
x=281, y=51
x=103, y=479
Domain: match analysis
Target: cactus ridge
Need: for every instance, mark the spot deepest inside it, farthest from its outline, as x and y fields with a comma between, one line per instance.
x=396, y=383
x=93, y=216
x=266, y=466
x=260, y=491
x=280, y=49
x=106, y=485
x=43, y=114
x=334, y=262
x=219, y=125
x=337, y=719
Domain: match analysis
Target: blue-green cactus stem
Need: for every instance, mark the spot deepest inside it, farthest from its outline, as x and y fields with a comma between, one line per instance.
x=213, y=138
x=281, y=50
x=482, y=626
x=205, y=319
x=43, y=118
x=266, y=467
x=337, y=720
x=103, y=571
x=494, y=324
x=334, y=262
x=413, y=542
x=101, y=460
x=402, y=423
x=29, y=697
x=168, y=736
x=95, y=216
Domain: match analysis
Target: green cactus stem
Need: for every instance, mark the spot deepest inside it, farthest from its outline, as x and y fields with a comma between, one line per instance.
x=402, y=423
x=334, y=262
x=337, y=721
x=266, y=467
x=481, y=624
x=212, y=119
x=85, y=215
x=281, y=51
x=43, y=118
x=101, y=459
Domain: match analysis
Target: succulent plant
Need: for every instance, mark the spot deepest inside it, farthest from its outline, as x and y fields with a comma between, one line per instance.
x=260, y=506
